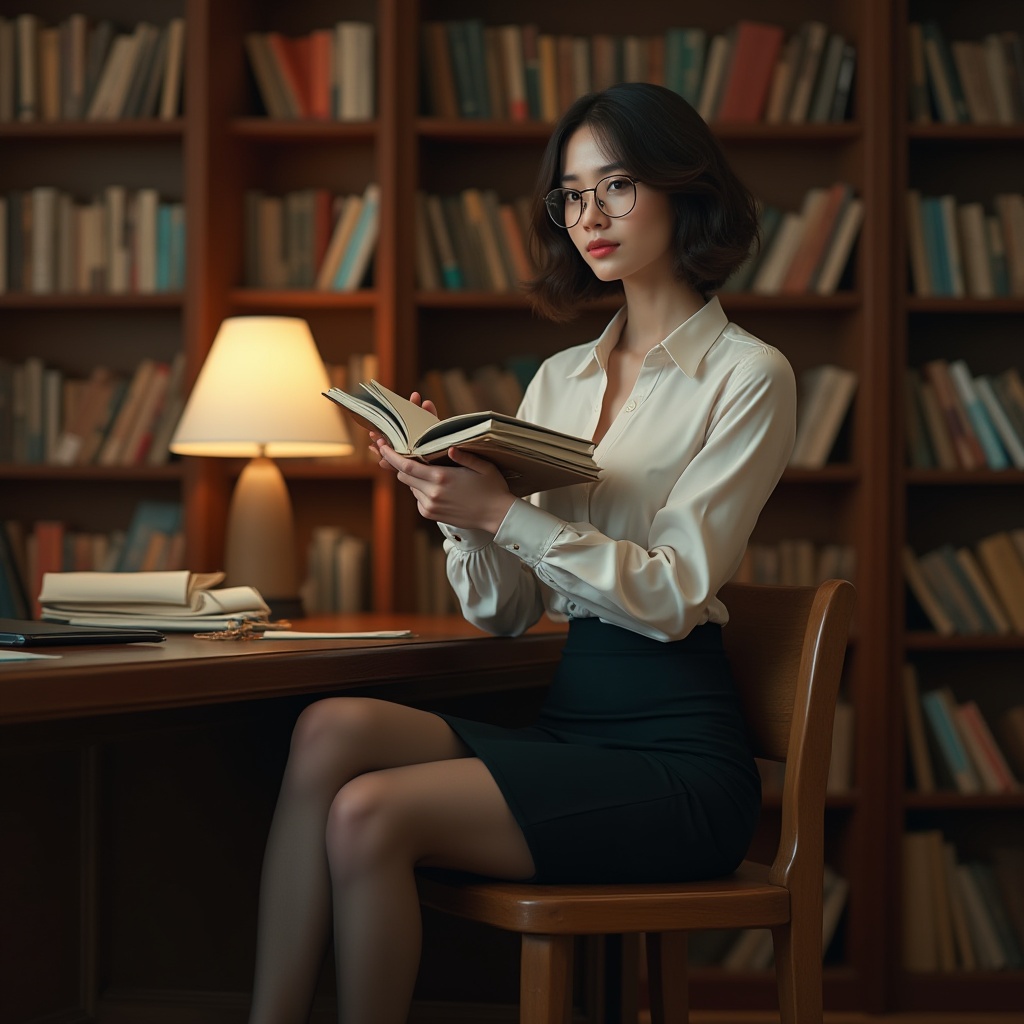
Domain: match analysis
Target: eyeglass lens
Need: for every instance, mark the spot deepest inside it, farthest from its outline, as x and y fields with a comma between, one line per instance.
x=615, y=195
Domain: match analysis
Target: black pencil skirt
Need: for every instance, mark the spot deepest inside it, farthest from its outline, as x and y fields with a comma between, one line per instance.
x=638, y=769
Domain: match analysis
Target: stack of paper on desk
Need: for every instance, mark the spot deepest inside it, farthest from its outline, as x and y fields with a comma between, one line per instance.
x=174, y=601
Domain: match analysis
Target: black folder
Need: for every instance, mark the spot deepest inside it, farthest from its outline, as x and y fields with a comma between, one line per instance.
x=33, y=633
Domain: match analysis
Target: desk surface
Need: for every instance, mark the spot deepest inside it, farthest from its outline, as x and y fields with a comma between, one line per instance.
x=445, y=656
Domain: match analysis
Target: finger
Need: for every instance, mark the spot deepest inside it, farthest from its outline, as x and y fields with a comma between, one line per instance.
x=429, y=406
x=469, y=461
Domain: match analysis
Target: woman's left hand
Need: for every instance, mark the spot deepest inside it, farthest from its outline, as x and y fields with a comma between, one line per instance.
x=472, y=494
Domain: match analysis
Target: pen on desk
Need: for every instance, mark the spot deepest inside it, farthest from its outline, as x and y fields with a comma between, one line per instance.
x=380, y=634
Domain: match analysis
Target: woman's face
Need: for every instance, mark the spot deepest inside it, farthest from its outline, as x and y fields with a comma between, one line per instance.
x=616, y=248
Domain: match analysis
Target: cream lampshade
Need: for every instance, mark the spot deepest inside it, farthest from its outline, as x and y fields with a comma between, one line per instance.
x=258, y=396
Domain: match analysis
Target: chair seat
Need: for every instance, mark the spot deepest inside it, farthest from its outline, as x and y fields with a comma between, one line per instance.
x=744, y=899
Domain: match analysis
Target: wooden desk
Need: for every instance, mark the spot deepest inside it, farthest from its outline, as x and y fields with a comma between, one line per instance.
x=136, y=787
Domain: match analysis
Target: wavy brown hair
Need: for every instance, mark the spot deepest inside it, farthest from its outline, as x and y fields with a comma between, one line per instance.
x=659, y=139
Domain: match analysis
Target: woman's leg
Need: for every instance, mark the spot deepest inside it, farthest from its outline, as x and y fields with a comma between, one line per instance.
x=381, y=826
x=333, y=741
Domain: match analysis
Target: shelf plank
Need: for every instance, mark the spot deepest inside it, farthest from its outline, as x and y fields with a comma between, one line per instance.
x=963, y=477
x=61, y=131
x=302, y=298
x=265, y=129
x=966, y=132
x=950, y=801
x=46, y=472
x=968, y=642
x=92, y=300
x=1002, y=304
x=837, y=473
x=730, y=301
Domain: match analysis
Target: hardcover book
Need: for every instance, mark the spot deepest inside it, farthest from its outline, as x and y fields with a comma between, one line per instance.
x=531, y=457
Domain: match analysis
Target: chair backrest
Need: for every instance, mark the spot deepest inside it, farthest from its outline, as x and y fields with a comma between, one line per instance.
x=786, y=646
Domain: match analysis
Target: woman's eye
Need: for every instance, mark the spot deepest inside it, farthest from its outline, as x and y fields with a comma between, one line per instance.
x=572, y=197
x=615, y=184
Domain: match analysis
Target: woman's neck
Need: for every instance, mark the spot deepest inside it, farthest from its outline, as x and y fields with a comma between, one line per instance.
x=652, y=314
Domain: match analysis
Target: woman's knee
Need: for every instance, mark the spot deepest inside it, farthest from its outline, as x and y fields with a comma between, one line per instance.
x=363, y=826
x=327, y=738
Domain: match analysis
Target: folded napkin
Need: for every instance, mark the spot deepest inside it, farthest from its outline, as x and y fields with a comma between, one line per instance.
x=179, y=600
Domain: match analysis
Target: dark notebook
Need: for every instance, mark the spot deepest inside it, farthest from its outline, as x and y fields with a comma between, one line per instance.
x=32, y=633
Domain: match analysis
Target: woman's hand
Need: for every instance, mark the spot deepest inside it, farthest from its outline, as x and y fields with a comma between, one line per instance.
x=376, y=439
x=472, y=494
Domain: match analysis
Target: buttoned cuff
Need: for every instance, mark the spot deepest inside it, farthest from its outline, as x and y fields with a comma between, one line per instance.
x=466, y=540
x=528, y=532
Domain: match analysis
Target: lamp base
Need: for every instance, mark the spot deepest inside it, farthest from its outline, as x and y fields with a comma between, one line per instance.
x=261, y=537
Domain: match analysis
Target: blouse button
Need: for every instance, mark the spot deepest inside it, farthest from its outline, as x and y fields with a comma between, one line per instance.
x=630, y=405
x=515, y=547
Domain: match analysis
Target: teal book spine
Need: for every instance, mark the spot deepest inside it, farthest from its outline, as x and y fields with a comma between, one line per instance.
x=949, y=742
x=163, y=248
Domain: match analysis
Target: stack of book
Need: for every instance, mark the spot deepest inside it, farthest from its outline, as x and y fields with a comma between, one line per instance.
x=951, y=745
x=121, y=242
x=961, y=914
x=956, y=420
x=311, y=239
x=962, y=250
x=977, y=81
x=803, y=251
x=105, y=419
x=824, y=398
x=970, y=592
x=78, y=70
x=173, y=601
x=327, y=74
x=750, y=73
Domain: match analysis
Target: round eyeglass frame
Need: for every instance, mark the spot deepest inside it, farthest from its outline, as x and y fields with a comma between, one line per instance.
x=558, y=193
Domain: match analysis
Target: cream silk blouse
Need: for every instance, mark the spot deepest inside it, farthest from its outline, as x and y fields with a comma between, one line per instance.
x=687, y=465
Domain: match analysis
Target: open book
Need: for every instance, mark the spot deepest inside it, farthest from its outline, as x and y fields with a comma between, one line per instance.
x=531, y=457
x=167, y=600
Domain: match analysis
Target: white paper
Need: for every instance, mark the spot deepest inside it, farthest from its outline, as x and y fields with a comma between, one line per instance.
x=291, y=634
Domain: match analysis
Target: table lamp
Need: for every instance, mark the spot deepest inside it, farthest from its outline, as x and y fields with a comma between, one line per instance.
x=258, y=396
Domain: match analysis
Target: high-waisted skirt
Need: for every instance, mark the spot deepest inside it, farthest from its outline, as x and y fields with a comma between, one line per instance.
x=638, y=768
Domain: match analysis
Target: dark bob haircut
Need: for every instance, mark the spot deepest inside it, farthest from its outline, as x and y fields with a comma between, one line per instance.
x=659, y=139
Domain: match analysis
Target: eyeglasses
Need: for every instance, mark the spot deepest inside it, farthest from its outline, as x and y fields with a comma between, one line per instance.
x=614, y=195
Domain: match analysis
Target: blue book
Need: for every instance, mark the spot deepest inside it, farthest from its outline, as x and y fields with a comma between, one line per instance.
x=695, y=44
x=933, y=226
x=462, y=66
x=474, y=32
x=356, y=257
x=933, y=34
x=965, y=587
x=995, y=454
x=936, y=709
x=163, y=248
x=149, y=517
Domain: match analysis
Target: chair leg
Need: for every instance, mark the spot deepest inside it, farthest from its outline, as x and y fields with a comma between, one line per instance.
x=545, y=979
x=798, y=972
x=667, y=977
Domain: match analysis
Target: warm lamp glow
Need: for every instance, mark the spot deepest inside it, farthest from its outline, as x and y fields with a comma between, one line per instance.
x=259, y=393
x=258, y=396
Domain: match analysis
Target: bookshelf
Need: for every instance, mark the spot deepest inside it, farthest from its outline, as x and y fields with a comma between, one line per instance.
x=932, y=507
x=864, y=497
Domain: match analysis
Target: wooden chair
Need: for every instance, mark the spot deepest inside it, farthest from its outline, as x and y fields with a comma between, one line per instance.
x=786, y=646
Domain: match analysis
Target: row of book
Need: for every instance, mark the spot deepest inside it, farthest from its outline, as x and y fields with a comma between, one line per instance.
x=337, y=572
x=154, y=539
x=824, y=399
x=311, y=239
x=961, y=913
x=472, y=240
x=962, y=250
x=750, y=73
x=976, y=81
x=796, y=562
x=951, y=745
x=751, y=949
x=327, y=74
x=106, y=419
x=119, y=242
x=803, y=251
x=958, y=420
x=77, y=70
x=970, y=591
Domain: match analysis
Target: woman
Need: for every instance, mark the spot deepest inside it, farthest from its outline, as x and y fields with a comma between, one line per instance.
x=638, y=769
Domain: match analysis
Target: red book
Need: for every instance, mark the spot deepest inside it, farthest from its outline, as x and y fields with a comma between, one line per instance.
x=48, y=537
x=290, y=72
x=320, y=48
x=817, y=235
x=755, y=52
